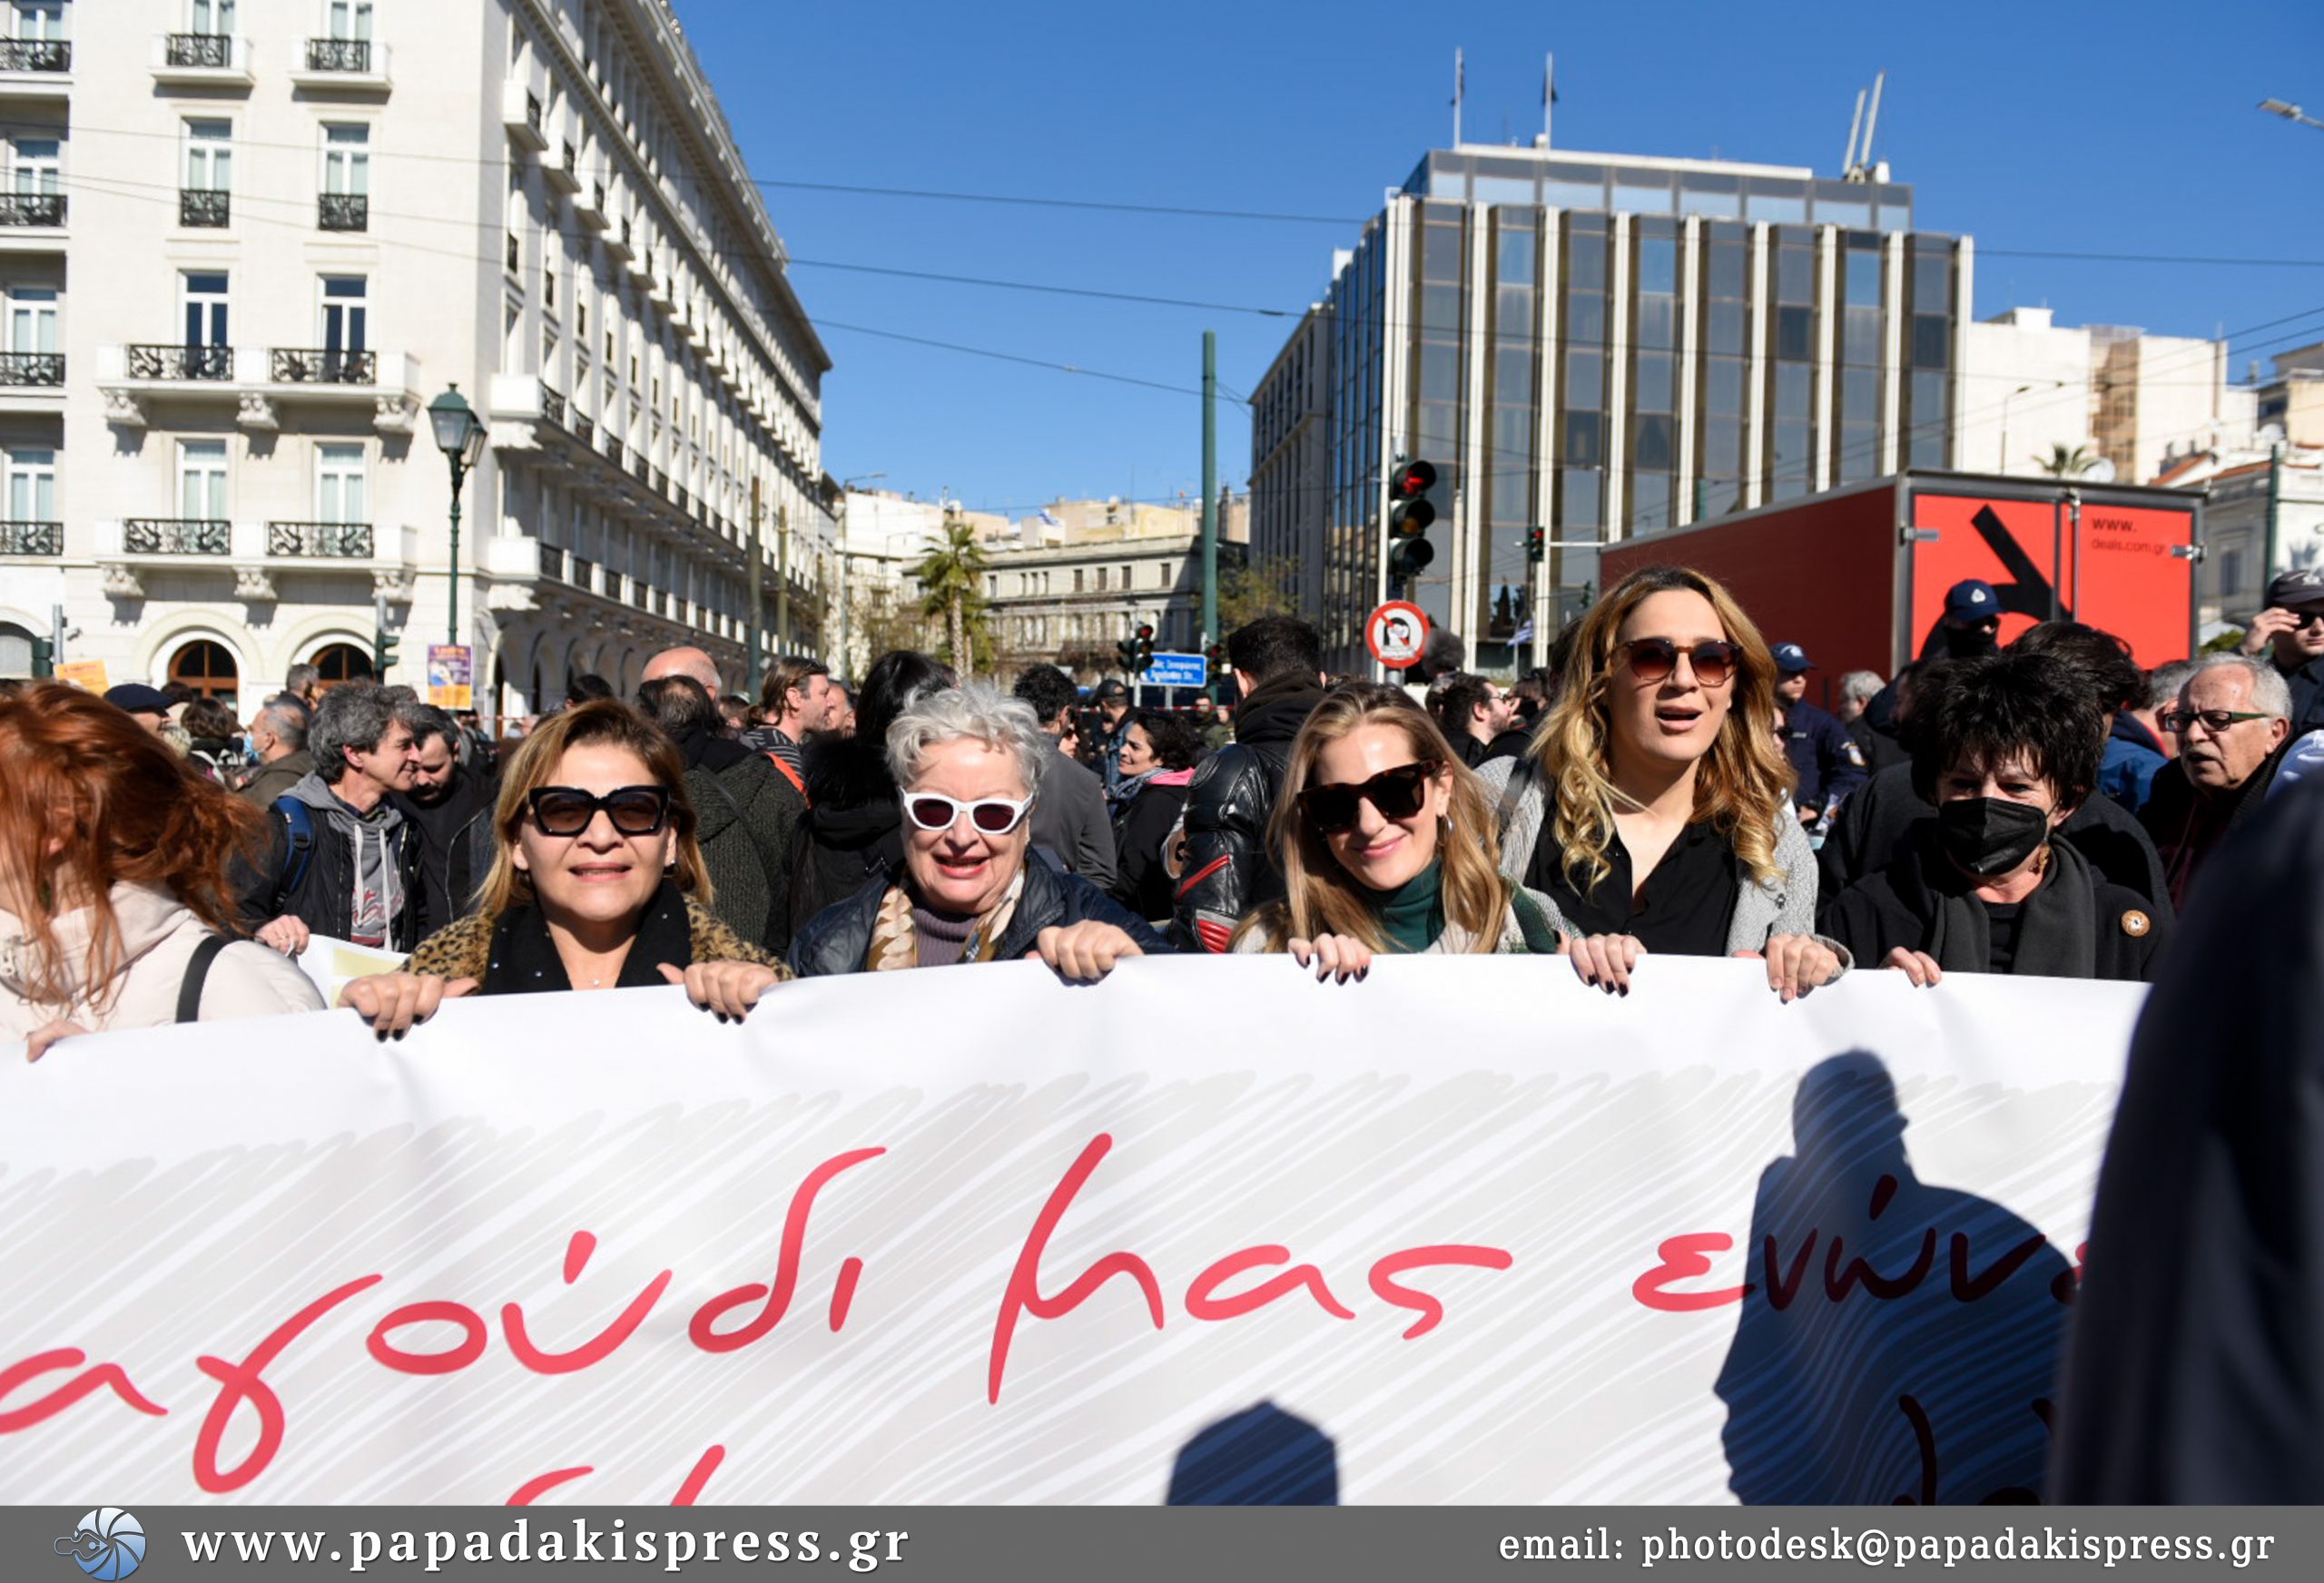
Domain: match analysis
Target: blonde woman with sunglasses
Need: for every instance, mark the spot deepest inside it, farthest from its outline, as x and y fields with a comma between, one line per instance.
x=596, y=883
x=1386, y=847
x=1652, y=812
x=969, y=764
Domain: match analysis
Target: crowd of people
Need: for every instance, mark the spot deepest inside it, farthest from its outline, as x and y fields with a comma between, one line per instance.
x=1663, y=786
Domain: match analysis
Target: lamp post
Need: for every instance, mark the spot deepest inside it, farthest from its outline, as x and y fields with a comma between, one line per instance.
x=2290, y=112
x=459, y=434
x=2003, y=466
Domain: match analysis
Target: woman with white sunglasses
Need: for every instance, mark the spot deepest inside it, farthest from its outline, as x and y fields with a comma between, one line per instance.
x=970, y=764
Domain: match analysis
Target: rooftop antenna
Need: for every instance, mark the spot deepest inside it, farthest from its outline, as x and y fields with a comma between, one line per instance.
x=1872, y=121
x=1460, y=85
x=1859, y=166
x=1549, y=93
x=1855, y=126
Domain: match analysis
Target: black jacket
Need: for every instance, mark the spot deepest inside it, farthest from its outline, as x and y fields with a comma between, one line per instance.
x=321, y=893
x=2307, y=697
x=1829, y=762
x=2188, y=829
x=2191, y=1375
x=1873, y=826
x=839, y=939
x=456, y=843
x=1228, y=867
x=1140, y=882
x=852, y=833
x=746, y=814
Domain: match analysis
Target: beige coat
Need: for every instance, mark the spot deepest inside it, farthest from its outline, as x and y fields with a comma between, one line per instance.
x=158, y=939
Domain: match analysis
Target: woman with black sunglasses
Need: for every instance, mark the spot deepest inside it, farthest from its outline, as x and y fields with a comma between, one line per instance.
x=969, y=764
x=1386, y=844
x=596, y=883
x=1652, y=811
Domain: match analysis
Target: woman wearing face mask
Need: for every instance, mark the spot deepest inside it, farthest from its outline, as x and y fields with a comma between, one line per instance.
x=2009, y=749
x=1652, y=810
x=1387, y=847
x=969, y=764
x=596, y=883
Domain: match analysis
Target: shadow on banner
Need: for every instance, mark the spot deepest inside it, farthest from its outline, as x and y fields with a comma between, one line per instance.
x=1899, y=1341
x=1261, y=1455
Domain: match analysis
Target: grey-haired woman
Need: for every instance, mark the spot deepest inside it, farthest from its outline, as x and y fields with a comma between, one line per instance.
x=969, y=765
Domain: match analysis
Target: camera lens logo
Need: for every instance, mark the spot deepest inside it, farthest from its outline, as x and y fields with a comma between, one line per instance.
x=109, y=1544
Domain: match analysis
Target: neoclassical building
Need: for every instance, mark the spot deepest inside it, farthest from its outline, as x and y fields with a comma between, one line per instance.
x=245, y=243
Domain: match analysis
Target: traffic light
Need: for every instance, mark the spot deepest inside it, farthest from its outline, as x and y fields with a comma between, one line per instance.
x=383, y=641
x=43, y=659
x=1537, y=545
x=1145, y=651
x=1125, y=651
x=1410, y=516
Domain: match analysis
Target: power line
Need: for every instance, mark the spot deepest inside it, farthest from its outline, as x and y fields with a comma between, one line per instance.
x=1171, y=211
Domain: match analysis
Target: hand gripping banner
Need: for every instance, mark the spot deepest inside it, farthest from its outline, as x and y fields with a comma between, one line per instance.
x=1466, y=1232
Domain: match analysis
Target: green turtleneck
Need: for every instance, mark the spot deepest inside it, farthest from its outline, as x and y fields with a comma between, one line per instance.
x=1412, y=915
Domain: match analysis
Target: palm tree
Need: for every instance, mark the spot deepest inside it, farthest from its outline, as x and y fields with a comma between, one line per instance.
x=2065, y=461
x=951, y=580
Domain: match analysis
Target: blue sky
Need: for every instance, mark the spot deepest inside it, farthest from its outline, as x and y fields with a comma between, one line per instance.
x=2127, y=128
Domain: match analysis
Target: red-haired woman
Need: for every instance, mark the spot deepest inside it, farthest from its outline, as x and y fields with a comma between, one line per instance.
x=116, y=909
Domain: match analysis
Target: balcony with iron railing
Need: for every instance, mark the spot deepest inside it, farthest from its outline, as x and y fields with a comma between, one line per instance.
x=32, y=538
x=256, y=381
x=35, y=55
x=206, y=59
x=589, y=208
x=342, y=66
x=37, y=369
x=342, y=541
x=322, y=366
x=564, y=173
x=43, y=210
x=170, y=362
x=204, y=208
x=343, y=212
x=520, y=114
x=552, y=406
x=177, y=536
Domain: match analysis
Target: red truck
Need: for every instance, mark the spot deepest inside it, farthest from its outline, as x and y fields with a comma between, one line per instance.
x=1857, y=576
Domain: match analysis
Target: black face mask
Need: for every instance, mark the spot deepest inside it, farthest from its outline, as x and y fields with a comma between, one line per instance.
x=1969, y=643
x=1987, y=836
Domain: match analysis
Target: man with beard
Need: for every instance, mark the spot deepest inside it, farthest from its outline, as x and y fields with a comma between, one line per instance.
x=451, y=806
x=1225, y=865
x=746, y=810
x=2230, y=718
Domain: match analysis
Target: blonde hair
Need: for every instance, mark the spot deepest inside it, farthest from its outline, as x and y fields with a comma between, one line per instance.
x=1321, y=898
x=1739, y=784
x=614, y=724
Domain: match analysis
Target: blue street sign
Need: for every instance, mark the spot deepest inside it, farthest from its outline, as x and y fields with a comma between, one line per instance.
x=1178, y=671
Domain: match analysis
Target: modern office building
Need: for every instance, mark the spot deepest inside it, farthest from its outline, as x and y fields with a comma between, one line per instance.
x=245, y=243
x=1602, y=346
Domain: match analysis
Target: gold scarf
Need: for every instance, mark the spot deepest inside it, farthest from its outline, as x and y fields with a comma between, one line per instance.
x=895, y=940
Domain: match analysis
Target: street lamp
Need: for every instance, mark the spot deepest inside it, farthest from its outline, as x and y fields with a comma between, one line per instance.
x=459, y=434
x=2290, y=112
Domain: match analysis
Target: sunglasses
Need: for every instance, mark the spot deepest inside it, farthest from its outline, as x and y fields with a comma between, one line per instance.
x=990, y=815
x=1397, y=793
x=1653, y=659
x=569, y=810
x=2180, y=720
x=2301, y=620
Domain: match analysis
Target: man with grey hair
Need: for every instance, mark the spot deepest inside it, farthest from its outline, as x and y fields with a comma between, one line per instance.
x=279, y=740
x=304, y=682
x=2232, y=715
x=342, y=860
x=449, y=805
x=969, y=766
x=1857, y=689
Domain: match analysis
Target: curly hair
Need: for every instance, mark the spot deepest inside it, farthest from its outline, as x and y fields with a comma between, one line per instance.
x=1175, y=739
x=126, y=810
x=1739, y=784
x=1319, y=896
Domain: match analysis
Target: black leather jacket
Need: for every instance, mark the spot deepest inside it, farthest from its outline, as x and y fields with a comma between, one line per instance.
x=839, y=939
x=1228, y=867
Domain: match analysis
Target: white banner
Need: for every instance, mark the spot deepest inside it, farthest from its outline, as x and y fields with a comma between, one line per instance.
x=1466, y=1231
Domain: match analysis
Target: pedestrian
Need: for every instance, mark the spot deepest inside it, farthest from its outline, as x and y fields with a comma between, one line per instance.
x=586, y=687
x=340, y=858
x=746, y=814
x=448, y=807
x=116, y=900
x=734, y=715
x=1650, y=811
x=1159, y=752
x=1477, y=719
x=596, y=883
x=2131, y=756
x=1071, y=822
x=1216, y=730
x=1824, y=756
x=305, y=683
x=1227, y=868
x=852, y=831
x=148, y=706
x=970, y=764
x=1857, y=689
x=1104, y=737
x=214, y=745
x=1387, y=847
x=798, y=699
x=2010, y=747
x=278, y=744
x=2231, y=717
x=2290, y=634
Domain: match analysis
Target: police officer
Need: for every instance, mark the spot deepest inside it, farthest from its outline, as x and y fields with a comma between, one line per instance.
x=1829, y=762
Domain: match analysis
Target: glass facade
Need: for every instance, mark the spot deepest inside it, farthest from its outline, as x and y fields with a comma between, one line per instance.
x=1599, y=349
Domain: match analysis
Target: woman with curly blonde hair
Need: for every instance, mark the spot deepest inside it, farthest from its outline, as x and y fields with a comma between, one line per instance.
x=1653, y=811
x=1386, y=846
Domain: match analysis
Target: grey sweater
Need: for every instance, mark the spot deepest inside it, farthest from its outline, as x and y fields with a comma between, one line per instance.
x=1762, y=908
